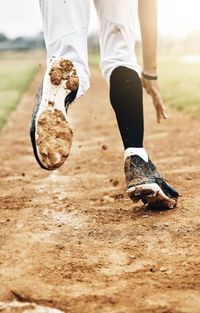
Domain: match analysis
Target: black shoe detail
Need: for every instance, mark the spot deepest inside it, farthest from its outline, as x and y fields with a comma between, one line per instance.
x=70, y=98
x=167, y=188
x=33, y=125
x=140, y=174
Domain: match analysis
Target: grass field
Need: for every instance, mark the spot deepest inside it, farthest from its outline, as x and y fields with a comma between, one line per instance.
x=180, y=82
x=179, y=78
x=17, y=70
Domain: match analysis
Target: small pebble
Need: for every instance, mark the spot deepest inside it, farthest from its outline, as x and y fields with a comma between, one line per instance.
x=163, y=269
x=108, y=199
x=115, y=182
x=104, y=147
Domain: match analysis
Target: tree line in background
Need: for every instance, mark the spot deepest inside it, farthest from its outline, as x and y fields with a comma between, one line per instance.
x=22, y=43
x=188, y=44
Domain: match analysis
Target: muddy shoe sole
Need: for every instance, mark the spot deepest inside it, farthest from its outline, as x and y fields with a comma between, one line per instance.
x=152, y=195
x=51, y=137
x=50, y=132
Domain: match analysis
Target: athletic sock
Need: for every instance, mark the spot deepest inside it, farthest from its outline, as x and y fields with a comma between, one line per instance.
x=127, y=101
x=136, y=151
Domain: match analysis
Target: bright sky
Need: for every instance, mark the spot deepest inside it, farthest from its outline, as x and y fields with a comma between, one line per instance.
x=22, y=17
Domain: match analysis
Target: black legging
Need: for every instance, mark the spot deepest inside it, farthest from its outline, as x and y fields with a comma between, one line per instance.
x=127, y=101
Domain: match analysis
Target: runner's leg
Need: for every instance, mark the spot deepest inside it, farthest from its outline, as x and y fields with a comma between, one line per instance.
x=65, y=25
x=120, y=68
x=118, y=63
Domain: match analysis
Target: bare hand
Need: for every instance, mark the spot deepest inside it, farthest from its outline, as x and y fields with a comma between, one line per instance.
x=152, y=88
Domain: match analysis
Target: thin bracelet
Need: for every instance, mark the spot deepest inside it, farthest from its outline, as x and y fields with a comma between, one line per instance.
x=150, y=77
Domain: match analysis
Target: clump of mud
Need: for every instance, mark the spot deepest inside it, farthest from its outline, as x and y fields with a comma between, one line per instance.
x=66, y=65
x=54, y=138
x=56, y=76
x=51, y=103
x=72, y=82
x=64, y=70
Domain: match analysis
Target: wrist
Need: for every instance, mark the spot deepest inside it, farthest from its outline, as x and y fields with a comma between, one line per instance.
x=150, y=71
x=150, y=77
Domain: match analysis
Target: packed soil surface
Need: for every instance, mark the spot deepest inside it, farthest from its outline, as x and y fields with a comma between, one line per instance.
x=72, y=240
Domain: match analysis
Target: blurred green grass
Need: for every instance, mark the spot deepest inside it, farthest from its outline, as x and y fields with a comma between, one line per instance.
x=179, y=81
x=17, y=70
x=94, y=59
x=179, y=78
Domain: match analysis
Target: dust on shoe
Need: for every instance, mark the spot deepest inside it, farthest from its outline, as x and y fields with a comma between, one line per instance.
x=72, y=83
x=54, y=138
x=56, y=76
x=51, y=103
x=64, y=70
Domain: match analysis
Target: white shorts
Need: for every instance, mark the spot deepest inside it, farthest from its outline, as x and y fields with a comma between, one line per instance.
x=65, y=24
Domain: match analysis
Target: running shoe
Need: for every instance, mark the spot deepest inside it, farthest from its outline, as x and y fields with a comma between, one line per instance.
x=51, y=135
x=145, y=183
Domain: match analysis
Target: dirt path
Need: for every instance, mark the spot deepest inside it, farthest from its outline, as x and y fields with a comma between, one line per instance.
x=72, y=239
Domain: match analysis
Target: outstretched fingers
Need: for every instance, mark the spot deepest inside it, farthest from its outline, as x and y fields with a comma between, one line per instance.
x=152, y=88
